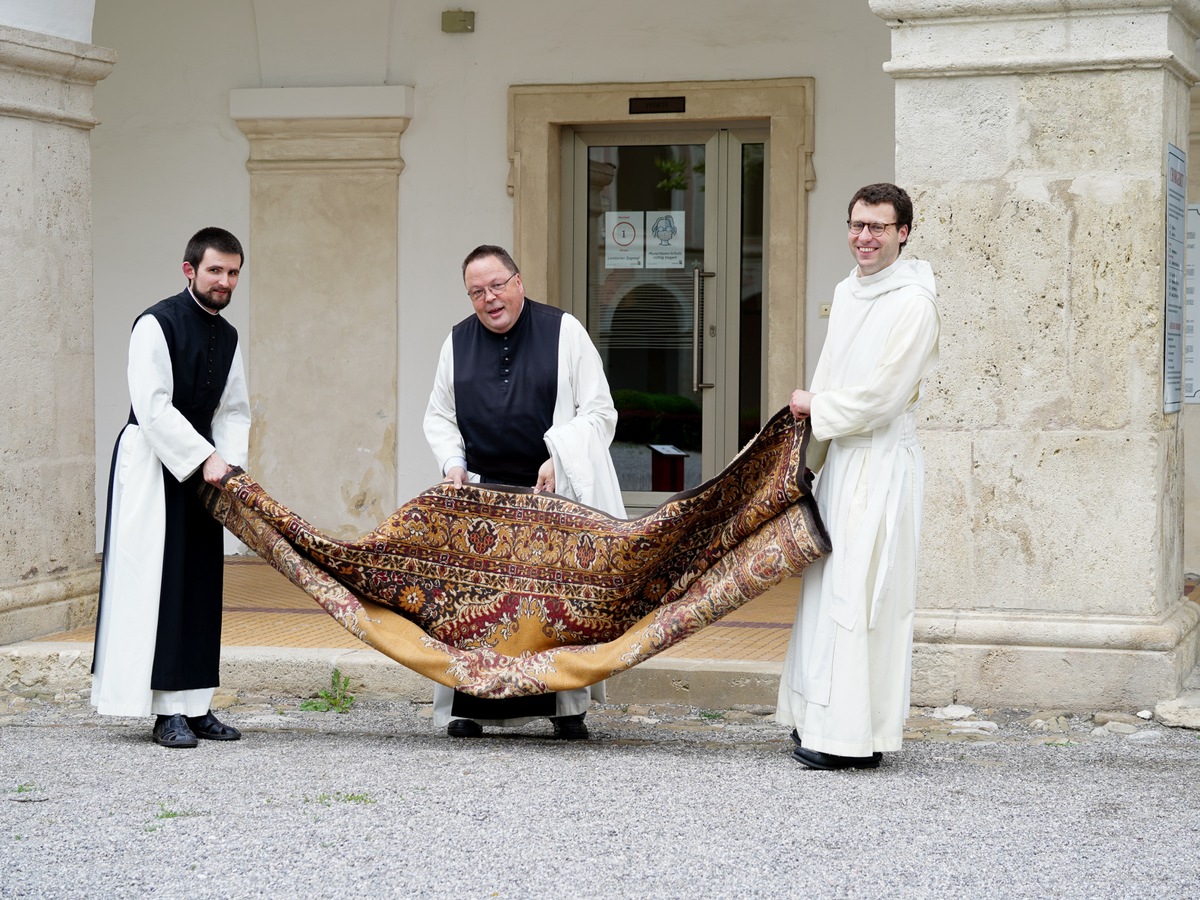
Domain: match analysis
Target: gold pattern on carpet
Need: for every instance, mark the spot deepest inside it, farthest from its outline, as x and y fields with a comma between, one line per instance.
x=504, y=593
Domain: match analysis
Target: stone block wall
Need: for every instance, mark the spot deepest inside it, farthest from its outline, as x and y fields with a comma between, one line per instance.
x=1033, y=138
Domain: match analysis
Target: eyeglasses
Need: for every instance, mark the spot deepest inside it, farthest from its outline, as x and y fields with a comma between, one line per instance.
x=876, y=228
x=495, y=288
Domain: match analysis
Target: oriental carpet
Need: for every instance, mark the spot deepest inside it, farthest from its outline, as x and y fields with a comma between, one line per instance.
x=500, y=592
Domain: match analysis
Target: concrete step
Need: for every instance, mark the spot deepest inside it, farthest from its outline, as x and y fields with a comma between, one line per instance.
x=62, y=670
x=50, y=669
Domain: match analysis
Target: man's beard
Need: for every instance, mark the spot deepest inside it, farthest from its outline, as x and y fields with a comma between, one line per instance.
x=210, y=300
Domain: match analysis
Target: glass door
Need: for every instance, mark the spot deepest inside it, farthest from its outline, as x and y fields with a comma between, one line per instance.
x=666, y=272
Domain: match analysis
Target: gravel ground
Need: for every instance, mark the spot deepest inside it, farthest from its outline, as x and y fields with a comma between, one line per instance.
x=662, y=802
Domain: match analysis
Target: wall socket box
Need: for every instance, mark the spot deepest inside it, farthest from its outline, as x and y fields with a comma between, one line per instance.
x=823, y=309
x=458, y=21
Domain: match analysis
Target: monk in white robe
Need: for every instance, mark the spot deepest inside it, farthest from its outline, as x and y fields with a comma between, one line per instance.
x=520, y=398
x=158, y=635
x=845, y=684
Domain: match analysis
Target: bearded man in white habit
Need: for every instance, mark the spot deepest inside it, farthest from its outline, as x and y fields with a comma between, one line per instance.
x=158, y=635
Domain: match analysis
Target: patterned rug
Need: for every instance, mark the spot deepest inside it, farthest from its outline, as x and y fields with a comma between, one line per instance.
x=506, y=593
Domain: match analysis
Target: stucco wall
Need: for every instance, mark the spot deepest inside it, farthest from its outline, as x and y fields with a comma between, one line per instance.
x=70, y=19
x=168, y=159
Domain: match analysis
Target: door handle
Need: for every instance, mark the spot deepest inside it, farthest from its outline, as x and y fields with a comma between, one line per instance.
x=698, y=328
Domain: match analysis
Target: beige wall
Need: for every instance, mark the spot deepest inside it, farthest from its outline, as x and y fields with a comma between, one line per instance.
x=168, y=157
x=1056, y=493
x=70, y=19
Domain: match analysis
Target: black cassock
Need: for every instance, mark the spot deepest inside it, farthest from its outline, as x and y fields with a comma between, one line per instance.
x=505, y=388
x=188, y=635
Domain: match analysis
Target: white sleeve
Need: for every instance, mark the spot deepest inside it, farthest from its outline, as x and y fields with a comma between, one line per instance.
x=441, y=417
x=590, y=401
x=893, y=384
x=584, y=424
x=174, y=441
x=231, y=421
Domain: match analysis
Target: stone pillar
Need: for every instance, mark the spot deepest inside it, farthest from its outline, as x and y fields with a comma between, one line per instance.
x=1032, y=136
x=48, y=572
x=322, y=263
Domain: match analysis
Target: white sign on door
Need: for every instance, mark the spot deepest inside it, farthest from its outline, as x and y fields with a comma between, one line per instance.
x=665, y=242
x=624, y=240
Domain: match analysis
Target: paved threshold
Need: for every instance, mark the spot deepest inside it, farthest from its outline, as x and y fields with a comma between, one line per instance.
x=276, y=640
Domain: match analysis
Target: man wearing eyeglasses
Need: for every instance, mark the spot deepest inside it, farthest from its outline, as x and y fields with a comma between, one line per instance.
x=845, y=684
x=520, y=398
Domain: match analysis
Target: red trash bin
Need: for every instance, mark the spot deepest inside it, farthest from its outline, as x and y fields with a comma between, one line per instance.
x=666, y=467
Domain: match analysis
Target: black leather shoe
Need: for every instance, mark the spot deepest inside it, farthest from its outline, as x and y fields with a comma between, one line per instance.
x=464, y=728
x=815, y=759
x=570, y=728
x=173, y=732
x=796, y=740
x=208, y=728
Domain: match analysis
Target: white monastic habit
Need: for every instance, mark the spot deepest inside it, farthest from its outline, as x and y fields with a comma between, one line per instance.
x=845, y=684
x=583, y=425
x=133, y=561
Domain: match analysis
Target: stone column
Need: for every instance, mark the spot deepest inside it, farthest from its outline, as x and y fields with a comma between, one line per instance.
x=48, y=572
x=322, y=263
x=1033, y=137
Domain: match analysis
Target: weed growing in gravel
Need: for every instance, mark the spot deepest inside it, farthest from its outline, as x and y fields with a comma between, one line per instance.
x=28, y=792
x=338, y=698
x=165, y=813
x=711, y=714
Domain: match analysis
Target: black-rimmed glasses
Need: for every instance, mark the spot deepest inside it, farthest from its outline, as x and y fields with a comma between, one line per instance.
x=876, y=228
x=496, y=288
